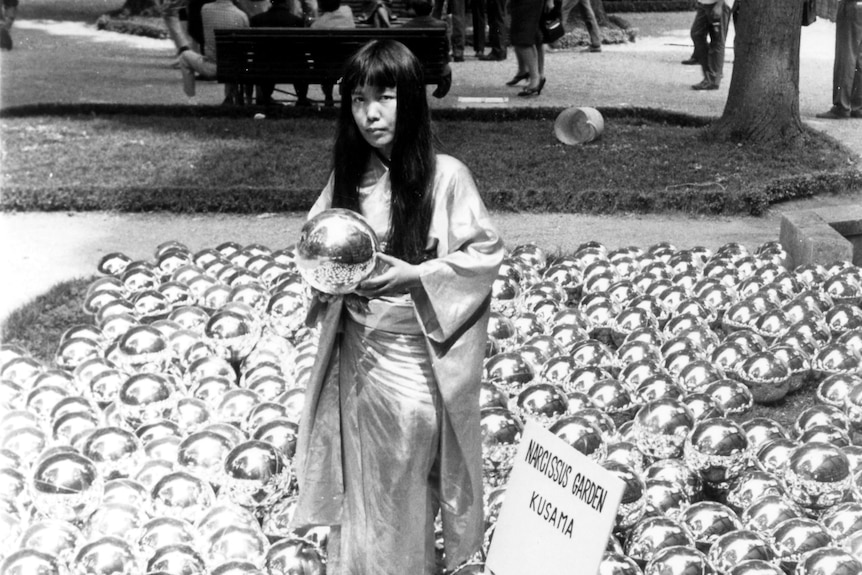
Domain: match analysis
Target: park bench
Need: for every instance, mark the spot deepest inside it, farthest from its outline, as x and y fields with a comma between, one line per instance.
x=315, y=56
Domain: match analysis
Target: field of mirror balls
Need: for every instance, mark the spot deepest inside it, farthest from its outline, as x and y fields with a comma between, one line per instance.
x=161, y=437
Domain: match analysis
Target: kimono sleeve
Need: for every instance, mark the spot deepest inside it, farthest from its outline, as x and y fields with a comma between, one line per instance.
x=456, y=285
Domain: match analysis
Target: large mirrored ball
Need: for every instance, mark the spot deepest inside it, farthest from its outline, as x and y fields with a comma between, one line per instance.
x=293, y=555
x=679, y=560
x=255, y=472
x=107, y=556
x=829, y=560
x=661, y=427
x=336, y=251
x=25, y=561
x=738, y=546
x=718, y=449
x=181, y=495
x=66, y=485
x=818, y=475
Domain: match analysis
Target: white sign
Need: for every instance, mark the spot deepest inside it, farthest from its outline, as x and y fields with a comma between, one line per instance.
x=558, y=510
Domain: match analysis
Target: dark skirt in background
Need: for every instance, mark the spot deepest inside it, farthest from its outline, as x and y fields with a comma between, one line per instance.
x=526, y=14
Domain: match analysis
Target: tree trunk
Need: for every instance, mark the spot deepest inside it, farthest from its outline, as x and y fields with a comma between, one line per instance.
x=763, y=100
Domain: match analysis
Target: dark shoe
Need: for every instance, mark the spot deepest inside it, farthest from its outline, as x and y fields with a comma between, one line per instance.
x=834, y=114
x=458, y=58
x=303, y=103
x=705, y=85
x=532, y=92
x=593, y=49
x=518, y=79
x=856, y=114
x=492, y=57
x=689, y=62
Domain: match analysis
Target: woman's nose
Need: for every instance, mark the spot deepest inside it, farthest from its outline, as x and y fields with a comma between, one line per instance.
x=372, y=111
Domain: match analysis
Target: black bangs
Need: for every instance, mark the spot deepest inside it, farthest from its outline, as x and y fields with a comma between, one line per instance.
x=378, y=68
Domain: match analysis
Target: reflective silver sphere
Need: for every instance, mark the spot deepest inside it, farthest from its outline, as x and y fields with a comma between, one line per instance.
x=336, y=251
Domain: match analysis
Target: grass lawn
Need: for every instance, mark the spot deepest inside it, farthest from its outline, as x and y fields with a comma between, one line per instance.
x=95, y=162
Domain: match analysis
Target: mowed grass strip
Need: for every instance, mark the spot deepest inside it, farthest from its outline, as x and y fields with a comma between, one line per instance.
x=188, y=163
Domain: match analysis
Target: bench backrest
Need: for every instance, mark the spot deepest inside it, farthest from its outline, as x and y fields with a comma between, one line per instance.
x=283, y=55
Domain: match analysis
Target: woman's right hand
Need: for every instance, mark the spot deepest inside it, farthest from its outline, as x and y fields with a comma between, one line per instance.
x=323, y=297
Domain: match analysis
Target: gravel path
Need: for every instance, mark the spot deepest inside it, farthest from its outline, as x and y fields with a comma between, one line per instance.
x=71, y=62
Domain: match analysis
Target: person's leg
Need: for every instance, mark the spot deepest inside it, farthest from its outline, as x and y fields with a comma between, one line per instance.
x=699, y=34
x=717, y=36
x=264, y=94
x=856, y=92
x=566, y=11
x=328, y=100
x=171, y=16
x=458, y=29
x=477, y=8
x=847, y=78
x=592, y=25
x=531, y=63
x=540, y=62
x=192, y=63
x=497, y=26
x=301, y=94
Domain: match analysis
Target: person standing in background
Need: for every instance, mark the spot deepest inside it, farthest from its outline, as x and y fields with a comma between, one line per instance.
x=589, y=17
x=529, y=47
x=497, y=39
x=709, y=32
x=477, y=8
x=457, y=10
x=847, y=70
x=10, y=10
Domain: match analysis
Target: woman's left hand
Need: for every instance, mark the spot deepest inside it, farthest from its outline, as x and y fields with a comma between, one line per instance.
x=396, y=278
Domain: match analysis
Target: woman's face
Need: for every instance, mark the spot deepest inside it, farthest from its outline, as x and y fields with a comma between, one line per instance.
x=374, y=110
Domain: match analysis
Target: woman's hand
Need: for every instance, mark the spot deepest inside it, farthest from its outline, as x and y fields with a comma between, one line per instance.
x=549, y=5
x=396, y=278
x=322, y=297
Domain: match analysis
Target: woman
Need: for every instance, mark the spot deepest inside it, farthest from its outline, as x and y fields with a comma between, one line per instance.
x=390, y=433
x=526, y=37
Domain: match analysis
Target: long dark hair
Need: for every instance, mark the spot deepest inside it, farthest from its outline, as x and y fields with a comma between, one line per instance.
x=389, y=64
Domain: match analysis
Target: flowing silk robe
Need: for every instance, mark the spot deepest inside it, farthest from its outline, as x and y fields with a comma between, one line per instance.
x=452, y=307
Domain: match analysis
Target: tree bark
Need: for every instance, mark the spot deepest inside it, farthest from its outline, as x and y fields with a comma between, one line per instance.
x=763, y=99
